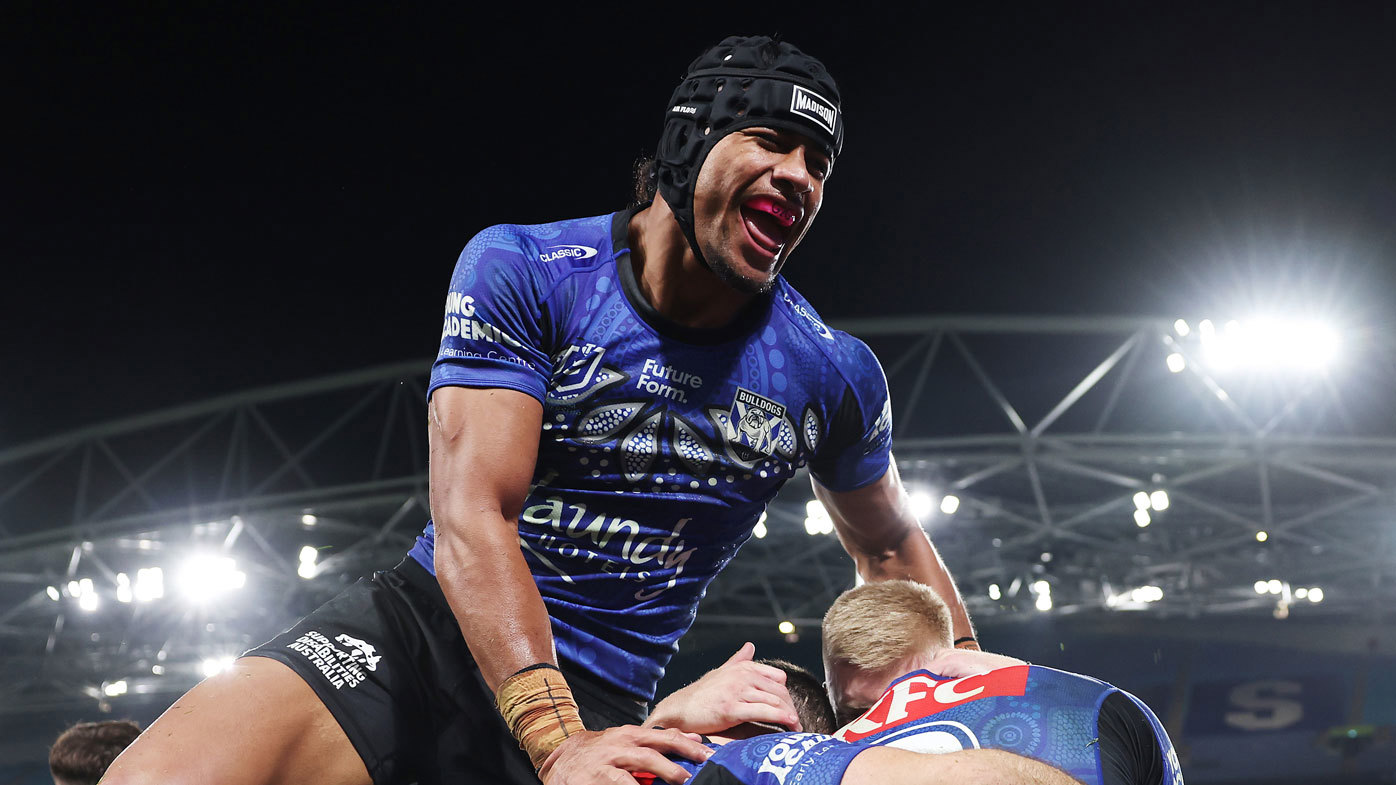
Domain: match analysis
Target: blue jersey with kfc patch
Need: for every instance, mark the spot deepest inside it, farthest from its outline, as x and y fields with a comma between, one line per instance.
x=661, y=444
x=1097, y=733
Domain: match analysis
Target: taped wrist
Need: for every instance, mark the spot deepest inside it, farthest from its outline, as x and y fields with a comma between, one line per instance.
x=539, y=709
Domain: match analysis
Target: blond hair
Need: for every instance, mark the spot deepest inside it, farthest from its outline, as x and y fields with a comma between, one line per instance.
x=876, y=624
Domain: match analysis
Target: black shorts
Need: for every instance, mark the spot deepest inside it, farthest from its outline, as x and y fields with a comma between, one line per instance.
x=388, y=660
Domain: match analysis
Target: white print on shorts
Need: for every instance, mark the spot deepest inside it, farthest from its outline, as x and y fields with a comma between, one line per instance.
x=340, y=668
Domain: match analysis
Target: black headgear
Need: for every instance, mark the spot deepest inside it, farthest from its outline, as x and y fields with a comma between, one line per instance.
x=742, y=82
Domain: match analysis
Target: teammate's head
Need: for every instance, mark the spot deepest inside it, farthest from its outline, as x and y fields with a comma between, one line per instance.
x=82, y=753
x=876, y=632
x=750, y=134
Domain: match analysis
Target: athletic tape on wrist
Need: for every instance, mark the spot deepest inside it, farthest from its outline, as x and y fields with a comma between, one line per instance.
x=539, y=709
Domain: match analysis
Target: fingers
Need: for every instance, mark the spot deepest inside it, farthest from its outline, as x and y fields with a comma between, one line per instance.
x=744, y=654
x=674, y=742
x=645, y=759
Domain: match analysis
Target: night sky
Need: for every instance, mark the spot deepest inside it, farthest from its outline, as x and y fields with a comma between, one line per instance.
x=202, y=201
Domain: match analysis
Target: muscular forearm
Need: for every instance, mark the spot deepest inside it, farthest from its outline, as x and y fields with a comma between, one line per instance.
x=493, y=596
x=891, y=766
x=915, y=558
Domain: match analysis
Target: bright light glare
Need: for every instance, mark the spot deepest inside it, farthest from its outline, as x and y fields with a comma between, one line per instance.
x=1261, y=536
x=89, y=602
x=1146, y=594
x=150, y=584
x=1301, y=593
x=950, y=505
x=1315, y=594
x=1181, y=328
x=158, y=670
x=922, y=505
x=1261, y=587
x=1044, y=602
x=123, y=588
x=817, y=520
x=309, y=520
x=307, y=570
x=994, y=593
x=309, y=554
x=1159, y=500
x=1274, y=586
x=786, y=627
x=1176, y=362
x=114, y=688
x=216, y=665
x=759, y=530
x=52, y=592
x=1271, y=344
x=1142, y=519
x=1141, y=501
x=204, y=577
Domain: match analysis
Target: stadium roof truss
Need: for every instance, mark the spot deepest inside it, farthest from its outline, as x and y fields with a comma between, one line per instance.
x=1057, y=437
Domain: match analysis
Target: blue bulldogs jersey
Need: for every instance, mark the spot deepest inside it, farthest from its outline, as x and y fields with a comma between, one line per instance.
x=1063, y=719
x=661, y=444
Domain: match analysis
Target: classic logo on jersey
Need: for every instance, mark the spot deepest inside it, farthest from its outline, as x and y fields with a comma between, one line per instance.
x=808, y=103
x=752, y=424
x=931, y=738
x=555, y=252
x=823, y=330
x=921, y=695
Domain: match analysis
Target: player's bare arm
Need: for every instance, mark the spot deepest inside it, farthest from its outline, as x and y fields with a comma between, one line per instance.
x=483, y=446
x=877, y=528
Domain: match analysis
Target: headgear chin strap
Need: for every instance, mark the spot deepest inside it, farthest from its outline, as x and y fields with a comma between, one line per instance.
x=740, y=83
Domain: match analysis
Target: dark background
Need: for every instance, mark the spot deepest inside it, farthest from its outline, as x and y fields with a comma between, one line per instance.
x=200, y=200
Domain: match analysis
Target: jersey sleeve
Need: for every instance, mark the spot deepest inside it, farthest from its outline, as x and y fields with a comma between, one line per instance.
x=858, y=447
x=1134, y=747
x=493, y=334
x=779, y=759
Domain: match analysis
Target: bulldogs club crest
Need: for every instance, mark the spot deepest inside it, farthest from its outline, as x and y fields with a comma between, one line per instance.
x=752, y=424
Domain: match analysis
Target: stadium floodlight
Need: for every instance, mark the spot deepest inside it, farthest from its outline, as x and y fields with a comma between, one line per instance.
x=112, y=689
x=1043, y=589
x=158, y=670
x=216, y=665
x=817, y=520
x=1159, y=500
x=1268, y=343
x=1176, y=362
x=1315, y=594
x=1146, y=594
x=150, y=584
x=123, y=588
x=994, y=593
x=1301, y=593
x=53, y=594
x=950, y=504
x=1181, y=328
x=1261, y=587
x=1261, y=536
x=1274, y=585
x=759, y=530
x=922, y=505
x=309, y=520
x=786, y=627
x=1141, y=500
x=203, y=577
x=1142, y=519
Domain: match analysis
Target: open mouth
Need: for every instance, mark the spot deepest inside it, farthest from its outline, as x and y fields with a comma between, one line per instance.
x=768, y=221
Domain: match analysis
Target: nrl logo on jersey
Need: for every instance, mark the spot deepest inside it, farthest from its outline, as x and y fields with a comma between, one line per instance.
x=752, y=424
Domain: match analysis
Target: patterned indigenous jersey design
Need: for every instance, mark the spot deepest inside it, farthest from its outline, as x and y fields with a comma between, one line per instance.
x=1038, y=712
x=661, y=444
x=773, y=759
